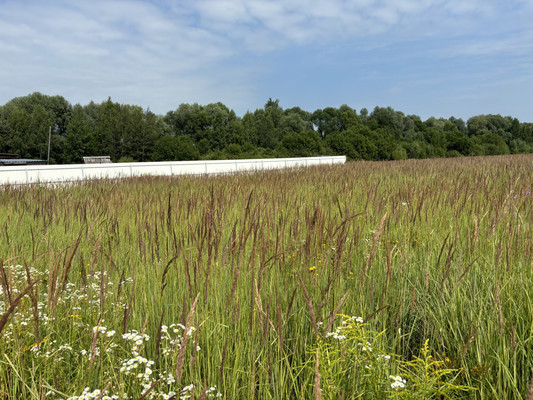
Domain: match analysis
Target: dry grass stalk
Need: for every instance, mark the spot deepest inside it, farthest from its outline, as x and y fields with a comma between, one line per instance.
x=466, y=270
x=158, y=338
x=53, y=289
x=336, y=311
x=102, y=394
x=370, y=316
x=279, y=324
x=413, y=298
x=258, y=302
x=221, y=369
x=499, y=304
x=374, y=248
x=388, y=271
x=14, y=304
x=127, y=310
x=183, y=346
x=469, y=342
x=195, y=348
x=442, y=250
x=147, y=392
x=530, y=391
x=447, y=266
x=293, y=296
x=103, y=284
x=165, y=271
x=309, y=305
x=34, y=296
x=5, y=282
x=68, y=264
x=93, y=345
x=145, y=324
x=318, y=390
x=426, y=280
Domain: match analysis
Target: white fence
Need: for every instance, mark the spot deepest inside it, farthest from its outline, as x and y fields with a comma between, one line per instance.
x=25, y=174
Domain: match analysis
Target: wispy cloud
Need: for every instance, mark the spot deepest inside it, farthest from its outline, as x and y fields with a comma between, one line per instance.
x=160, y=53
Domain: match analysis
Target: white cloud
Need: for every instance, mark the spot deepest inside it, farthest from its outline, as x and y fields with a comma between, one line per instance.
x=297, y=21
x=117, y=48
x=160, y=53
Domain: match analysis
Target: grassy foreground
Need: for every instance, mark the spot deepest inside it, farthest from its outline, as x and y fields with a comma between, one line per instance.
x=324, y=282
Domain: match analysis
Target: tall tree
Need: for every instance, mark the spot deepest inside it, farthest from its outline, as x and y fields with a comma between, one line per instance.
x=78, y=137
x=108, y=135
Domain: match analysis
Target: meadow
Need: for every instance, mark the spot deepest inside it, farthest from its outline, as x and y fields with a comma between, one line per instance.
x=370, y=280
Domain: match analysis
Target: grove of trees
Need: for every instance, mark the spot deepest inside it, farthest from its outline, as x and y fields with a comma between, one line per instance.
x=213, y=131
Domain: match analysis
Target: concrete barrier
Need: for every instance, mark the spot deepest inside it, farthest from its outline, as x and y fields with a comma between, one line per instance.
x=27, y=174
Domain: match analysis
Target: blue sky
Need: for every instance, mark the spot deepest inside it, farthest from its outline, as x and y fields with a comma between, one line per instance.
x=425, y=57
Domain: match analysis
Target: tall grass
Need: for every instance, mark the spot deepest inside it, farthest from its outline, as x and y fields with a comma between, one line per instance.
x=252, y=270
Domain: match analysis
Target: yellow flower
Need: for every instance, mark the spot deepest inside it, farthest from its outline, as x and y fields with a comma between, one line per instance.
x=312, y=268
x=31, y=347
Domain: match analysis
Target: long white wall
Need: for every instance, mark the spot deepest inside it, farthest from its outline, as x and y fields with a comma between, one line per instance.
x=25, y=174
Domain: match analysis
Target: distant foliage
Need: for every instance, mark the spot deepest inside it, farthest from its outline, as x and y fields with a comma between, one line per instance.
x=213, y=131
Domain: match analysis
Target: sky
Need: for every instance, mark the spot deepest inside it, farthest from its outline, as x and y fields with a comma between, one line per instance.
x=438, y=58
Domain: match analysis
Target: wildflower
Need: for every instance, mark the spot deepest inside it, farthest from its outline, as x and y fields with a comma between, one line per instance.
x=188, y=388
x=398, y=383
x=312, y=268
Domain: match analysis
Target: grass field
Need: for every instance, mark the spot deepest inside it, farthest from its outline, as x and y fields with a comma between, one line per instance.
x=318, y=283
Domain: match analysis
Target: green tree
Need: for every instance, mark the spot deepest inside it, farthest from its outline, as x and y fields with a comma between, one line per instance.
x=305, y=116
x=389, y=120
x=40, y=123
x=489, y=144
x=175, y=148
x=5, y=131
x=355, y=143
x=456, y=141
x=222, y=127
x=399, y=153
x=437, y=139
x=19, y=140
x=267, y=127
x=139, y=132
x=330, y=120
x=78, y=137
x=108, y=139
x=301, y=144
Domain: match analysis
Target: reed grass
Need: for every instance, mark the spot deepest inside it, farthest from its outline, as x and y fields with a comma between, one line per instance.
x=259, y=265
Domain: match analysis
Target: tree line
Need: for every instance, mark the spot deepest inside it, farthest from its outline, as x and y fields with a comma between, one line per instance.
x=213, y=131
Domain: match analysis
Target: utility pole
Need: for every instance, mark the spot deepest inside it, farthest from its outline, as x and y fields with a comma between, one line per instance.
x=49, y=138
